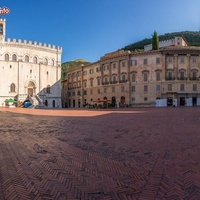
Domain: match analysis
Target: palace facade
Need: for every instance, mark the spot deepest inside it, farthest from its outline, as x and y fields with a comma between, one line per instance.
x=29, y=70
x=148, y=78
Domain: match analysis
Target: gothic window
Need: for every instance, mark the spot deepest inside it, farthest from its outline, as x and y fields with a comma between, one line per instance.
x=12, y=87
x=53, y=62
x=6, y=57
x=14, y=57
x=45, y=61
x=26, y=59
x=35, y=60
x=48, y=89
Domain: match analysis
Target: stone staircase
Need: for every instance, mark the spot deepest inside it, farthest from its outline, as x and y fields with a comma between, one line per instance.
x=35, y=100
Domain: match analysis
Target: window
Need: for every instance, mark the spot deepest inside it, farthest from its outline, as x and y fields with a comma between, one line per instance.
x=85, y=84
x=145, y=61
x=157, y=88
x=122, y=88
x=123, y=64
x=91, y=82
x=48, y=89
x=14, y=57
x=12, y=87
x=133, y=62
x=78, y=73
x=114, y=79
x=53, y=62
x=26, y=59
x=182, y=74
x=91, y=71
x=114, y=65
x=194, y=59
x=6, y=57
x=113, y=89
x=98, y=91
x=182, y=59
x=169, y=59
x=145, y=88
x=123, y=77
x=145, y=99
x=182, y=87
x=194, y=87
x=85, y=73
x=104, y=90
x=98, y=81
x=35, y=60
x=194, y=75
x=45, y=61
x=133, y=88
x=169, y=87
x=157, y=60
x=145, y=76
x=157, y=76
x=79, y=93
x=105, y=67
x=133, y=77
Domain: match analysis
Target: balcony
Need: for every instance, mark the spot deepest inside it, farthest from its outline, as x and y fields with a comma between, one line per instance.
x=182, y=78
x=113, y=82
x=123, y=81
x=105, y=83
x=194, y=79
x=167, y=78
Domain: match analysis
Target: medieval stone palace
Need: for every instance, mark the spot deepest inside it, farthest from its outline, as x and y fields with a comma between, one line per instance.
x=170, y=75
x=29, y=70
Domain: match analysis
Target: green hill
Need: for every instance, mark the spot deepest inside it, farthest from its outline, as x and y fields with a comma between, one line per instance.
x=70, y=65
x=192, y=37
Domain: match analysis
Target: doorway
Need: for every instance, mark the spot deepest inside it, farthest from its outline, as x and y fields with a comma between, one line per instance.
x=194, y=101
x=182, y=101
x=30, y=91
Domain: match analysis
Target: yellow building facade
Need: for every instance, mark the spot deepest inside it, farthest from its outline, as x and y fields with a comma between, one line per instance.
x=138, y=79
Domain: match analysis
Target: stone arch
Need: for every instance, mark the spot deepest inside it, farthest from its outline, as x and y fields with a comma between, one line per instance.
x=30, y=87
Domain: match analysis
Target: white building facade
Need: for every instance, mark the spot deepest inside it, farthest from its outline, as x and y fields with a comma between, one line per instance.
x=29, y=70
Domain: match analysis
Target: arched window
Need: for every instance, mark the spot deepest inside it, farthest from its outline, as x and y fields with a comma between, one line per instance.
x=35, y=60
x=6, y=57
x=12, y=87
x=26, y=59
x=54, y=103
x=48, y=89
x=45, y=61
x=14, y=57
x=53, y=62
x=145, y=76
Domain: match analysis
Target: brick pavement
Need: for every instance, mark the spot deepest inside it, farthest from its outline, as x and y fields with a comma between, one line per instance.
x=123, y=154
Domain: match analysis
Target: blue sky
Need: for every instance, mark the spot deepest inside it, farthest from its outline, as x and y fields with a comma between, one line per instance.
x=88, y=29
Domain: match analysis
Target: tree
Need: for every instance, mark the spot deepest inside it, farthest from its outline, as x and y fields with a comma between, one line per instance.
x=155, y=41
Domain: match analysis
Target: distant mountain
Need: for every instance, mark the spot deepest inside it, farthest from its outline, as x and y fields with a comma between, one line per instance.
x=192, y=37
x=70, y=65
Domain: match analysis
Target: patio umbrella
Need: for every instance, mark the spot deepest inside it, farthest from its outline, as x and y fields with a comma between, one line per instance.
x=10, y=100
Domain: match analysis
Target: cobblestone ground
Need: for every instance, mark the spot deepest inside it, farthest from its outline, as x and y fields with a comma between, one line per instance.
x=126, y=154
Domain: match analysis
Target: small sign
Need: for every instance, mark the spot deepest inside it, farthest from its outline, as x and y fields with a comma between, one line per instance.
x=4, y=11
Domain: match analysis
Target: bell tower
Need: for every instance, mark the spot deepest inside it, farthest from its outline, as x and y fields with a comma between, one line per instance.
x=2, y=29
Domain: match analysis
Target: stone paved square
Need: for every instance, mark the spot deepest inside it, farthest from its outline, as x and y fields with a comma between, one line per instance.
x=124, y=154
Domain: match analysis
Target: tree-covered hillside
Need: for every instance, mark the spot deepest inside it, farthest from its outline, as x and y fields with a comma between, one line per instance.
x=70, y=65
x=192, y=37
